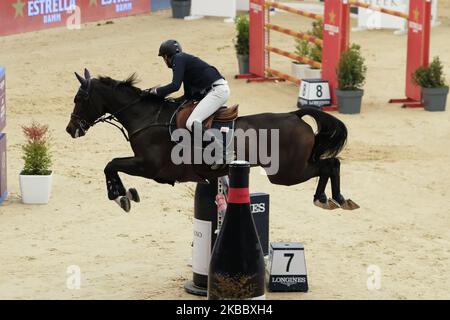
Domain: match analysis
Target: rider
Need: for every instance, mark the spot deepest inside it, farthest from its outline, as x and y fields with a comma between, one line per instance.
x=201, y=82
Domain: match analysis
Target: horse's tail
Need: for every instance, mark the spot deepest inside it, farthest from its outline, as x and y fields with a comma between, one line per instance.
x=331, y=136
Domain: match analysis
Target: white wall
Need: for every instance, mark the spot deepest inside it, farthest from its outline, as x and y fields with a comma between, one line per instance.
x=218, y=8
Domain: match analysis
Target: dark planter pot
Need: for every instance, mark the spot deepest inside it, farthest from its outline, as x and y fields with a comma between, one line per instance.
x=180, y=8
x=435, y=99
x=243, y=61
x=349, y=102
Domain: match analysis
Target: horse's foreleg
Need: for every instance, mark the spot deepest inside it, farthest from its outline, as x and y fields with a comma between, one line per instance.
x=116, y=190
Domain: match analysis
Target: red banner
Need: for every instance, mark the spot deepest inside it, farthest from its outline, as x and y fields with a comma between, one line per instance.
x=2, y=99
x=28, y=15
x=2, y=166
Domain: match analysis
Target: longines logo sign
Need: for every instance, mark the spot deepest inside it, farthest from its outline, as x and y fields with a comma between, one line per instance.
x=258, y=207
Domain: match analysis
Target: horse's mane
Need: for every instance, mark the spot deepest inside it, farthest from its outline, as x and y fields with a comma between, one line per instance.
x=130, y=82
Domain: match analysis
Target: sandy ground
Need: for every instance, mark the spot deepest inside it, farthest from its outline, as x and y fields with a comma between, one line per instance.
x=395, y=166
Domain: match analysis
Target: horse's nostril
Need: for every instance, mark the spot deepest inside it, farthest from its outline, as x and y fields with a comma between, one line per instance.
x=70, y=130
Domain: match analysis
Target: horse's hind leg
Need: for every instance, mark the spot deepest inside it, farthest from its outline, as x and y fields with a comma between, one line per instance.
x=324, y=168
x=335, y=177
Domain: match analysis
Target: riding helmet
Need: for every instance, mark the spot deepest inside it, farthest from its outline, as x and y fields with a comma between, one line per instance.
x=169, y=48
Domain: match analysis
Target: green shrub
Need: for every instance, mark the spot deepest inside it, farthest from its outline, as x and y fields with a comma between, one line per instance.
x=351, y=71
x=241, y=42
x=36, y=150
x=309, y=50
x=317, y=29
x=302, y=48
x=315, y=53
x=431, y=76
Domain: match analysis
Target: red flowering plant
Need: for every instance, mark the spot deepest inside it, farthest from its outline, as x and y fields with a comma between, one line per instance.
x=37, y=156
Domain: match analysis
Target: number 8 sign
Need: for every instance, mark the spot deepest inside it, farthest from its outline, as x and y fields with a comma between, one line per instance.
x=315, y=93
x=287, y=267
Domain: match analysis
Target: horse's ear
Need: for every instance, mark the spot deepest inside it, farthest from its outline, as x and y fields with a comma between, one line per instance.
x=82, y=81
x=87, y=74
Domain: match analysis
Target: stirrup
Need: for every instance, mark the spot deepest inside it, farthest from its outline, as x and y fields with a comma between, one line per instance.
x=228, y=157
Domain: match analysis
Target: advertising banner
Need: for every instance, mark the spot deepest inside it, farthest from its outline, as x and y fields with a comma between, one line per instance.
x=2, y=99
x=3, y=190
x=28, y=15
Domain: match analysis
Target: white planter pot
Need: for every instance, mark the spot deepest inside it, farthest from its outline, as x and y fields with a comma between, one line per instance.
x=314, y=74
x=36, y=189
x=299, y=70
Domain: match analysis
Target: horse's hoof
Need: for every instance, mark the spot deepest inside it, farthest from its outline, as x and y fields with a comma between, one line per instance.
x=349, y=205
x=330, y=204
x=333, y=204
x=124, y=203
x=133, y=195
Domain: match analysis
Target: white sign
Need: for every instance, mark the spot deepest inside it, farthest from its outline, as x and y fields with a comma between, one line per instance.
x=314, y=92
x=370, y=19
x=288, y=262
x=242, y=5
x=214, y=8
x=217, y=8
x=202, y=246
x=287, y=267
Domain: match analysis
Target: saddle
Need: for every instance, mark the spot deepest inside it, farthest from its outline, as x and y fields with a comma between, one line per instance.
x=224, y=114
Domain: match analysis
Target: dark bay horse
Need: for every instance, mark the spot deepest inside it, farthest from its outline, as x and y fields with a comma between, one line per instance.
x=302, y=154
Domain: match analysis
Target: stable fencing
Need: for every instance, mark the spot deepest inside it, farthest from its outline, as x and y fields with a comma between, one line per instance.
x=336, y=38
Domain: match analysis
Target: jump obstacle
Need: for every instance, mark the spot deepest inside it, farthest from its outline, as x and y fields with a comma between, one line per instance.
x=336, y=38
x=210, y=204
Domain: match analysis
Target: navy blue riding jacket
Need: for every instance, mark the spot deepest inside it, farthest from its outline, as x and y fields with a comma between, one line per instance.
x=196, y=75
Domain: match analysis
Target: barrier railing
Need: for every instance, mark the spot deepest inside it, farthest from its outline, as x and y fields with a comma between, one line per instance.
x=379, y=9
x=271, y=4
x=294, y=56
x=295, y=34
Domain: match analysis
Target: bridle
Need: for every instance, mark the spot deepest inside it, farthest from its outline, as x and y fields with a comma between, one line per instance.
x=111, y=119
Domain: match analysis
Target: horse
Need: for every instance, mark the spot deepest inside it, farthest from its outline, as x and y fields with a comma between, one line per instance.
x=303, y=154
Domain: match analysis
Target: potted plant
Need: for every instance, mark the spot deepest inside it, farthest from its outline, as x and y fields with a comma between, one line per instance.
x=315, y=54
x=241, y=43
x=315, y=51
x=36, y=176
x=351, y=74
x=299, y=69
x=434, y=87
x=180, y=8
